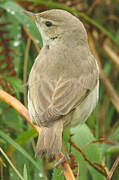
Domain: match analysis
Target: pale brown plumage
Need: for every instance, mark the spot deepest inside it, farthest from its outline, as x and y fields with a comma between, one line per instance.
x=63, y=82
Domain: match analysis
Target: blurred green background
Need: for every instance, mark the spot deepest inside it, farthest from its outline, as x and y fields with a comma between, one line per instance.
x=20, y=43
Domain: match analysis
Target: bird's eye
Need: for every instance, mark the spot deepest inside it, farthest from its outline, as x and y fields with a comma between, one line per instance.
x=48, y=23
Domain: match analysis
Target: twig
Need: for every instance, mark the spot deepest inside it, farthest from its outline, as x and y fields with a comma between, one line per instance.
x=112, y=17
x=101, y=140
x=66, y=169
x=111, y=53
x=97, y=166
x=2, y=162
x=16, y=104
x=33, y=39
x=113, y=168
x=105, y=80
x=25, y=69
x=1, y=173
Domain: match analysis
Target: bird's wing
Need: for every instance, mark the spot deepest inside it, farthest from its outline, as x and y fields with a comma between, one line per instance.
x=56, y=99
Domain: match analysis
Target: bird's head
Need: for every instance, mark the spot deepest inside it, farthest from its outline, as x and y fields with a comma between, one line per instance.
x=55, y=23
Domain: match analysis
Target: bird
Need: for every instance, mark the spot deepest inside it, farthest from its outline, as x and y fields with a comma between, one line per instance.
x=63, y=83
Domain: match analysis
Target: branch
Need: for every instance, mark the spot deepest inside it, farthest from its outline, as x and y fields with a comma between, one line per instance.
x=66, y=168
x=32, y=38
x=114, y=57
x=25, y=68
x=97, y=166
x=115, y=165
x=21, y=109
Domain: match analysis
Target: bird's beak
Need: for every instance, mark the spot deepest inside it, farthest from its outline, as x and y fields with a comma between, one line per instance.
x=32, y=15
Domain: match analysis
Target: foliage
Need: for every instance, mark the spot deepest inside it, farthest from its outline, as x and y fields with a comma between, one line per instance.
x=19, y=46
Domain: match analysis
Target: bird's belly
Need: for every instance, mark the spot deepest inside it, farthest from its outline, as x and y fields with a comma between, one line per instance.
x=83, y=111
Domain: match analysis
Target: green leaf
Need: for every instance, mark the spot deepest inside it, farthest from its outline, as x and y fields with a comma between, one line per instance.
x=18, y=12
x=25, y=173
x=113, y=149
x=11, y=164
x=58, y=175
x=17, y=43
x=115, y=135
x=19, y=148
x=82, y=136
x=12, y=119
x=16, y=83
x=26, y=136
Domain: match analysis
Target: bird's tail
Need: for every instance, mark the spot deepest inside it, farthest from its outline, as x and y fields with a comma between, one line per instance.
x=50, y=140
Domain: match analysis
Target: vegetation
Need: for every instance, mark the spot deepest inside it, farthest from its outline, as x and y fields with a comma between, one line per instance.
x=94, y=146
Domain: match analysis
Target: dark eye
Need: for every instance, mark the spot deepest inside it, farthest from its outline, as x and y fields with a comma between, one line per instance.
x=48, y=23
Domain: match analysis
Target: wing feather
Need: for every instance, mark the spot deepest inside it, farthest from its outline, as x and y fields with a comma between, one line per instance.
x=56, y=98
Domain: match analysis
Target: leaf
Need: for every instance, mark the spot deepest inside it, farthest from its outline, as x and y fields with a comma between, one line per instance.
x=113, y=149
x=25, y=137
x=25, y=173
x=115, y=135
x=82, y=136
x=12, y=119
x=18, y=12
x=11, y=164
x=19, y=148
x=17, y=43
x=16, y=83
x=58, y=175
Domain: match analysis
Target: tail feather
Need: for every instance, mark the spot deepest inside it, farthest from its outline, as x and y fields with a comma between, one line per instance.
x=50, y=140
